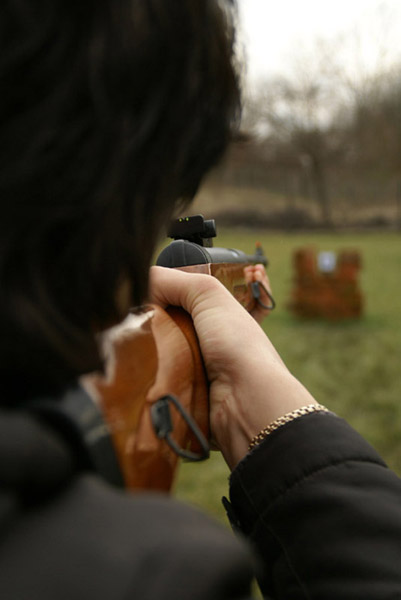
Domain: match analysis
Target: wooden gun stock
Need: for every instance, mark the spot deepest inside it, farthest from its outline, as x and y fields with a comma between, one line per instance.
x=149, y=356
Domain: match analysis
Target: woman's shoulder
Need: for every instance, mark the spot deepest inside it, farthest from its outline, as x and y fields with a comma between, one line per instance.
x=108, y=543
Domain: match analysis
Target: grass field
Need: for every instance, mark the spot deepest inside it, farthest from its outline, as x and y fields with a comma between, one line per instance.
x=354, y=368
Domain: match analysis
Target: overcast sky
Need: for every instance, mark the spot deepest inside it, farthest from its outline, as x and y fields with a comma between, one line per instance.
x=273, y=32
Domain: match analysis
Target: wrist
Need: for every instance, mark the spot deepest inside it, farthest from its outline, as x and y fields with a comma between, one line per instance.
x=241, y=412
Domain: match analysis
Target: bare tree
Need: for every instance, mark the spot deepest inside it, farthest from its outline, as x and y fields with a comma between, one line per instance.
x=296, y=114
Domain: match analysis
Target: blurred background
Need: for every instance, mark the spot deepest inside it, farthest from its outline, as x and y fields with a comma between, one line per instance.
x=317, y=164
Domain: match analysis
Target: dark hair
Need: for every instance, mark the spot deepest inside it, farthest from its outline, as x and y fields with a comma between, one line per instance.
x=111, y=112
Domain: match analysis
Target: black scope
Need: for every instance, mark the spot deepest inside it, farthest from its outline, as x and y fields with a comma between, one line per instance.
x=192, y=245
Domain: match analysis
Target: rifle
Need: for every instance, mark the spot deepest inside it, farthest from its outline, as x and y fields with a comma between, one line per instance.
x=154, y=392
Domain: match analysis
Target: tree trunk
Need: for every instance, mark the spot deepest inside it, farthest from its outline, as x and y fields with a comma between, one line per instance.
x=321, y=191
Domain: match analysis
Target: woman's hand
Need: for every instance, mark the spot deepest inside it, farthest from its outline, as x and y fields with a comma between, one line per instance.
x=249, y=384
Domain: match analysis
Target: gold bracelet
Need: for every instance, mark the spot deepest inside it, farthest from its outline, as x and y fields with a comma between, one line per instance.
x=291, y=416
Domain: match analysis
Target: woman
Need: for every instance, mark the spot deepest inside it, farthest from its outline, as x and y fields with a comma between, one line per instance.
x=111, y=113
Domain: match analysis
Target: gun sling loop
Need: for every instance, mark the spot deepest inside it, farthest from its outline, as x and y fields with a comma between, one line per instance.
x=255, y=289
x=163, y=426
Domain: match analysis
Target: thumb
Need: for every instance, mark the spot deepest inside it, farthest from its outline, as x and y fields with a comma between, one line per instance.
x=194, y=292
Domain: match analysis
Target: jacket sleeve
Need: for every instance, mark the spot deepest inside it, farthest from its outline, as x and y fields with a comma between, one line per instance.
x=323, y=512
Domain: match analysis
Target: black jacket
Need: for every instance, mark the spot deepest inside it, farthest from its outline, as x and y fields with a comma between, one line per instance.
x=323, y=510
x=320, y=508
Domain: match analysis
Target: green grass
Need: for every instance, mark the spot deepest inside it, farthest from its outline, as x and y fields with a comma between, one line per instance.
x=354, y=367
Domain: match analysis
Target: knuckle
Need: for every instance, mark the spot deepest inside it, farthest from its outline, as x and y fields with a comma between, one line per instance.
x=210, y=283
